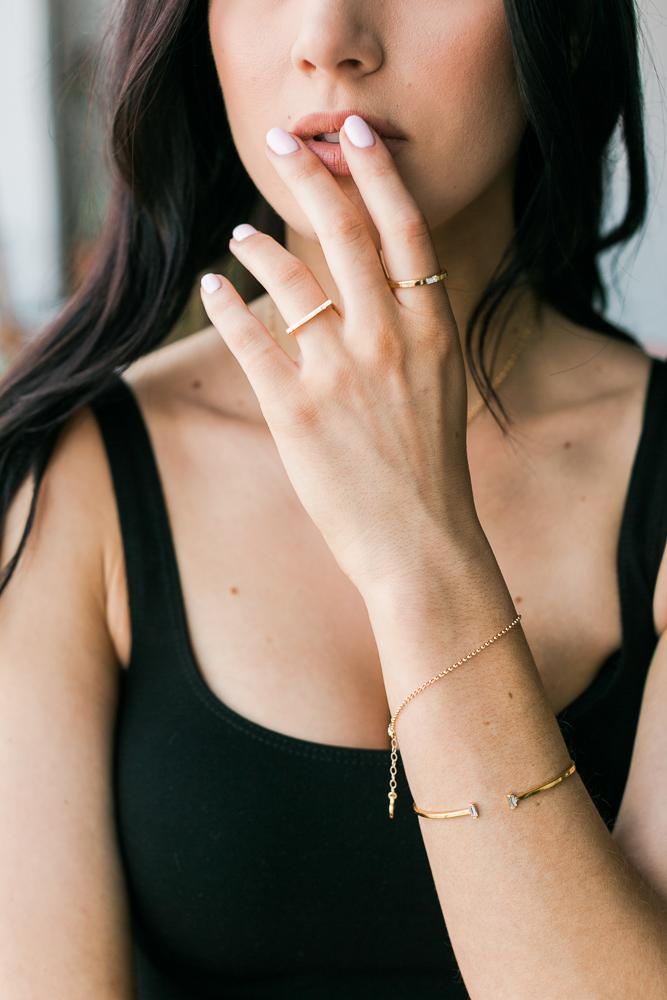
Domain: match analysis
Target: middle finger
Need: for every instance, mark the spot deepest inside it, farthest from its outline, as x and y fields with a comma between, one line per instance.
x=346, y=242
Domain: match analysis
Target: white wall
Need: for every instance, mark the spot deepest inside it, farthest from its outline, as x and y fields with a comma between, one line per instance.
x=29, y=218
x=641, y=301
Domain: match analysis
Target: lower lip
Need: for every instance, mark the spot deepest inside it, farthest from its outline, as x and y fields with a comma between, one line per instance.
x=331, y=154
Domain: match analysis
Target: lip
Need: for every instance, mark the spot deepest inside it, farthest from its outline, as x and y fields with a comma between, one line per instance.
x=332, y=156
x=332, y=121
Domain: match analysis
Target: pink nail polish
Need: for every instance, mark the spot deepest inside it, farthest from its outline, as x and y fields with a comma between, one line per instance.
x=358, y=131
x=242, y=230
x=281, y=141
x=210, y=283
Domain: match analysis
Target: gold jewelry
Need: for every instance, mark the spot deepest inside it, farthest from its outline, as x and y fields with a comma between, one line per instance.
x=470, y=810
x=431, y=279
x=411, y=282
x=495, y=383
x=391, y=729
x=509, y=364
x=314, y=312
x=513, y=798
x=504, y=372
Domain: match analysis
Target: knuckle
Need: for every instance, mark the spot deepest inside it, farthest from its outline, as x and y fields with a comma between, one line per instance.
x=306, y=169
x=381, y=168
x=431, y=337
x=412, y=225
x=302, y=412
x=291, y=273
x=385, y=351
x=428, y=326
x=333, y=379
x=348, y=230
x=246, y=341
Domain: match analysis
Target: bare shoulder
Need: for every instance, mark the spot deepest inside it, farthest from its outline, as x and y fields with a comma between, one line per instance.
x=194, y=374
x=73, y=514
x=66, y=562
x=58, y=699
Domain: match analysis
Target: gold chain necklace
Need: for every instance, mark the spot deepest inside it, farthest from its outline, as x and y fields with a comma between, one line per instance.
x=504, y=371
x=496, y=382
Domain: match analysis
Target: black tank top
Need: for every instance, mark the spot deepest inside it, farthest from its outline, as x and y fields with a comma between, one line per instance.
x=260, y=865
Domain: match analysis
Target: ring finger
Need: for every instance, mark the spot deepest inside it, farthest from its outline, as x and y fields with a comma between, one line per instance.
x=294, y=290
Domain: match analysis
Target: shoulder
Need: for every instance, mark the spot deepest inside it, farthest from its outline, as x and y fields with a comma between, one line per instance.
x=62, y=568
x=660, y=595
x=199, y=410
x=193, y=375
x=70, y=511
x=58, y=702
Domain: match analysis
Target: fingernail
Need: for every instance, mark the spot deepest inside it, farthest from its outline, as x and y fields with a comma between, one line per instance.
x=241, y=231
x=358, y=131
x=210, y=282
x=281, y=141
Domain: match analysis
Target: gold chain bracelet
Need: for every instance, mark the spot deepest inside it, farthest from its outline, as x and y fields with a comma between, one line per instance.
x=391, y=729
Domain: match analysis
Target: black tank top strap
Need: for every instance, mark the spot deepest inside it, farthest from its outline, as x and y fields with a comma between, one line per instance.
x=644, y=529
x=143, y=517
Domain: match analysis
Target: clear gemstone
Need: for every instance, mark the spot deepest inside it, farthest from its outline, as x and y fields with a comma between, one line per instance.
x=513, y=801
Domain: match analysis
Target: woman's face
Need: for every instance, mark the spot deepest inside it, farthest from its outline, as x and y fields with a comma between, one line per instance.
x=440, y=70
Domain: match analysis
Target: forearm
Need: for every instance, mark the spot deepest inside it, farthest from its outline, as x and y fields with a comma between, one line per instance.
x=540, y=894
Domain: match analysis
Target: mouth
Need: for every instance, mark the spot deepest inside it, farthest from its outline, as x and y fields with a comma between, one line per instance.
x=330, y=141
x=324, y=126
x=327, y=137
x=330, y=152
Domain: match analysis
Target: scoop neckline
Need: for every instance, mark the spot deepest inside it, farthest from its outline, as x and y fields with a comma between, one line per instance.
x=608, y=672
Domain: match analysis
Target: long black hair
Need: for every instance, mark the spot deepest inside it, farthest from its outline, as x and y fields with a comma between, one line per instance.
x=577, y=66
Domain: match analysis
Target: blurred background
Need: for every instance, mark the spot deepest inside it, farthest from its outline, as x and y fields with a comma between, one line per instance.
x=53, y=173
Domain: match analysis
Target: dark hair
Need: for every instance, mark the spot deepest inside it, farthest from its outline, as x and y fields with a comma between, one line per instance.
x=179, y=186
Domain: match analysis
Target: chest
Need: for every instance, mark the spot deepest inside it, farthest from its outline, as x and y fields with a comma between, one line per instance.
x=282, y=637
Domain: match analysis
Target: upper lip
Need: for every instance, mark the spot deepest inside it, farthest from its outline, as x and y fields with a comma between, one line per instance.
x=332, y=121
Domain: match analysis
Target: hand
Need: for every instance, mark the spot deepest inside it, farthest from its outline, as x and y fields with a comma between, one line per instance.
x=370, y=424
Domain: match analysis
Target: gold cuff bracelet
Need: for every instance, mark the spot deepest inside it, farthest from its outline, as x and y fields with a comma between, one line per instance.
x=513, y=798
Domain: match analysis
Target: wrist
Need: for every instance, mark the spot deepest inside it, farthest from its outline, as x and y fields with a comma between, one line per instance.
x=441, y=606
x=439, y=565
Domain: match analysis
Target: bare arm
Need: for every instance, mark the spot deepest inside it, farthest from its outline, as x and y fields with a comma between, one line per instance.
x=539, y=900
x=64, y=925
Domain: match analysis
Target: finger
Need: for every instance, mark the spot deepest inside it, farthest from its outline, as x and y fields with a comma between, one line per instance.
x=346, y=242
x=407, y=245
x=294, y=290
x=273, y=375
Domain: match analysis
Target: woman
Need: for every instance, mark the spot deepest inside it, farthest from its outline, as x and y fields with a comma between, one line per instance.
x=255, y=741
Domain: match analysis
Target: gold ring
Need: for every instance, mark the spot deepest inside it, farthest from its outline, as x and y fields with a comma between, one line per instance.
x=304, y=319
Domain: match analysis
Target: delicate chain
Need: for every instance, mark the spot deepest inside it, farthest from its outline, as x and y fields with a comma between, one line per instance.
x=391, y=729
x=504, y=371
x=496, y=382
